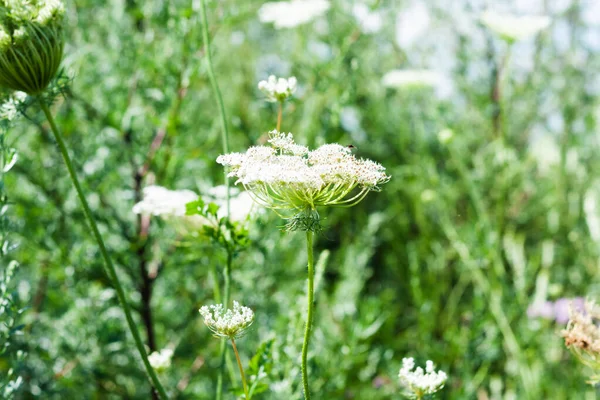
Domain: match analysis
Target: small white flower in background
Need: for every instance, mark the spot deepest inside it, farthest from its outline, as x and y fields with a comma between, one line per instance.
x=512, y=27
x=164, y=202
x=228, y=323
x=419, y=383
x=161, y=360
x=289, y=14
x=410, y=78
x=278, y=89
x=160, y=201
x=10, y=108
x=369, y=21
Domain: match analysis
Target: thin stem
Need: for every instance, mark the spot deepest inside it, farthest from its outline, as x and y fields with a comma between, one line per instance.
x=239, y=362
x=309, y=313
x=110, y=269
x=216, y=90
x=225, y=140
x=279, y=115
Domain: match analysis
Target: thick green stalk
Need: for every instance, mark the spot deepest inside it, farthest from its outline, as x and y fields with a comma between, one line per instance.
x=309, y=312
x=225, y=140
x=110, y=269
x=239, y=362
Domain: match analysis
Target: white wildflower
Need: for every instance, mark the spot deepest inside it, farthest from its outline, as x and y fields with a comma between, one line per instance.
x=278, y=89
x=9, y=110
x=289, y=14
x=50, y=9
x=161, y=361
x=285, y=143
x=369, y=21
x=241, y=205
x=403, y=78
x=291, y=180
x=227, y=323
x=162, y=201
x=418, y=382
x=512, y=27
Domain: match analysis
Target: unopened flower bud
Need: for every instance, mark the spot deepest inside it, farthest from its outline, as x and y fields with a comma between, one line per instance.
x=31, y=44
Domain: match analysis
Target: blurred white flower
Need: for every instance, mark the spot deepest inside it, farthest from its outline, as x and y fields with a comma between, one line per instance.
x=278, y=89
x=162, y=201
x=403, y=78
x=369, y=21
x=546, y=153
x=228, y=323
x=289, y=14
x=10, y=108
x=418, y=382
x=411, y=24
x=161, y=361
x=512, y=27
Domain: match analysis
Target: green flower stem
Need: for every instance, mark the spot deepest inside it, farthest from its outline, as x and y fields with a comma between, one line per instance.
x=110, y=269
x=309, y=313
x=239, y=362
x=279, y=115
x=216, y=90
x=225, y=140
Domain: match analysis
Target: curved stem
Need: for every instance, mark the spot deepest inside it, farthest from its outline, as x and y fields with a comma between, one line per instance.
x=309, y=313
x=279, y=116
x=239, y=362
x=110, y=269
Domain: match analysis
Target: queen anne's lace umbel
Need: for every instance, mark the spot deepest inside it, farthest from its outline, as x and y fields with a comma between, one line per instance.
x=418, y=382
x=228, y=323
x=291, y=179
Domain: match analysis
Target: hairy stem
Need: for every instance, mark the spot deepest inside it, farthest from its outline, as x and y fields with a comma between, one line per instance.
x=239, y=362
x=309, y=313
x=110, y=269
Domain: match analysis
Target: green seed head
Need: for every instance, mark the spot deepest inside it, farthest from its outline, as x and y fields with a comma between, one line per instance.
x=31, y=43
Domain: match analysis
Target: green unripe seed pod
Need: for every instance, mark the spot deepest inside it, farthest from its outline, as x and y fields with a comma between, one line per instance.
x=31, y=44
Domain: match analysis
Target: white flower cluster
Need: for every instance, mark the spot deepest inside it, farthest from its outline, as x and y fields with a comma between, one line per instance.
x=10, y=108
x=227, y=323
x=41, y=12
x=160, y=201
x=289, y=177
x=418, y=382
x=511, y=27
x=278, y=89
x=49, y=10
x=289, y=14
x=161, y=360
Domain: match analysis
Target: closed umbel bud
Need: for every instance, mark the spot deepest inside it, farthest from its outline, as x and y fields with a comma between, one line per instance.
x=31, y=43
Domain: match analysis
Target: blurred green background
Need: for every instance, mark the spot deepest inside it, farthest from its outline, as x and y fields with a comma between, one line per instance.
x=442, y=264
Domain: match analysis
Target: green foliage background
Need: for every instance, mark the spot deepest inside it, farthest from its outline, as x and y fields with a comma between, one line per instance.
x=441, y=265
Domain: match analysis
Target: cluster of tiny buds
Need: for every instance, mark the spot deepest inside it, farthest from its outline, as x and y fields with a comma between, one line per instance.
x=278, y=89
x=418, y=382
x=228, y=323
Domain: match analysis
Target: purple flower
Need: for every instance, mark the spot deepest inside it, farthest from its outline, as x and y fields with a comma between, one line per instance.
x=557, y=310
